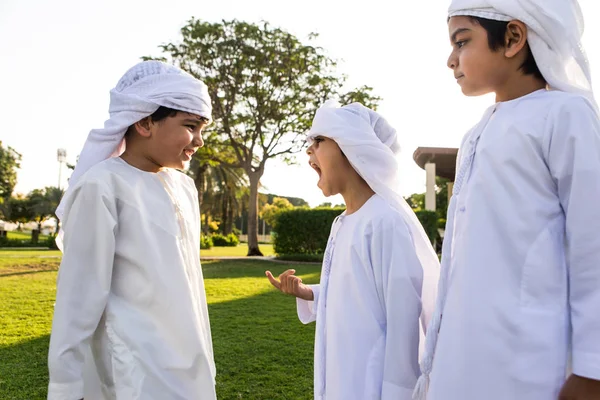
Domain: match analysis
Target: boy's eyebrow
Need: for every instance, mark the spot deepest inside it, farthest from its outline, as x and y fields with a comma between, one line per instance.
x=199, y=120
x=458, y=32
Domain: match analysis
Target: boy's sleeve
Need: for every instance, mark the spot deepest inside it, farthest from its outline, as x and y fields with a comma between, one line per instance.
x=83, y=285
x=307, y=310
x=574, y=162
x=399, y=271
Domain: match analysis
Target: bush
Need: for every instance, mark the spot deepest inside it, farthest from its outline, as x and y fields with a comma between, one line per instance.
x=50, y=242
x=205, y=242
x=429, y=220
x=233, y=240
x=303, y=231
x=220, y=240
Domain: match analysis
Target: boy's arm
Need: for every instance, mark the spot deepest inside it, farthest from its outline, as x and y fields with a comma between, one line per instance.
x=396, y=265
x=83, y=286
x=574, y=162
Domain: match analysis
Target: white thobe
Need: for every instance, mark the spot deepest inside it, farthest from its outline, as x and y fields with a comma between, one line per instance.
x=366, y=346
x=523, y=255
x=130, y=288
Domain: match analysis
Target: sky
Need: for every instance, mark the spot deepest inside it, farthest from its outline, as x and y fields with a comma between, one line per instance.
x=61, y=58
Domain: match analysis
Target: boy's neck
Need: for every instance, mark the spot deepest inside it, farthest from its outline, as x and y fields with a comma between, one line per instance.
x=518, y=86
x=356, y=194
x=140, y=161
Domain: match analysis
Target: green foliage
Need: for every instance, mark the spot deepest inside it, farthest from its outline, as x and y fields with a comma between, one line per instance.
x=225, y=241
x=429, y=220
x=270, y=211
x=10, y=161
x=303, y=231
x=206, y=242
x=416, y=201
x=50, y=242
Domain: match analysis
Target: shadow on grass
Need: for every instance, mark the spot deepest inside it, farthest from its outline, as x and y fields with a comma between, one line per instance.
x=23, y=370
x=261, y=349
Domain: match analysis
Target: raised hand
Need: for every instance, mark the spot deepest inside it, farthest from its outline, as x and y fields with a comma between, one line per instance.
x=290, y=284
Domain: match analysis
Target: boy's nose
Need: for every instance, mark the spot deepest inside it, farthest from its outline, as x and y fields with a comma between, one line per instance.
x=198, y=141
x=451, y=61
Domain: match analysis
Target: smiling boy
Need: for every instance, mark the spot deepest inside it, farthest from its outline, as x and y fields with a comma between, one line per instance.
x=130, y=286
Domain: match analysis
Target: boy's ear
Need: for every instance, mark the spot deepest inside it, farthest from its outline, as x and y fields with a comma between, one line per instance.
x=143, y=127
x=515, y=38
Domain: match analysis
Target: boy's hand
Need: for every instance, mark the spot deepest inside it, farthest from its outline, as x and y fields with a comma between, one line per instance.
x=290, y=284
x=579, y=388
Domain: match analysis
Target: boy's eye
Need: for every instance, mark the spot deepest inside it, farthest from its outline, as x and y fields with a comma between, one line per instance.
x=318, y=139
x=192, y=127
x=460, y=43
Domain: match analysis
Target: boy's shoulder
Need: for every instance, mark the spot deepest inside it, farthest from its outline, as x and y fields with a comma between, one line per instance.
x=102, y=173
x=553, y=102
x=381, y=216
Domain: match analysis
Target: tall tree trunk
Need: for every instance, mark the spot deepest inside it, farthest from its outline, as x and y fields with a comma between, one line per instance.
x=253, y=250
x=229, y=226
x=224, y=215
x=199, y=179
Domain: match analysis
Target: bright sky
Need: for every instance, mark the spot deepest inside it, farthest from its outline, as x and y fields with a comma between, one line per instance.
x=61, y=58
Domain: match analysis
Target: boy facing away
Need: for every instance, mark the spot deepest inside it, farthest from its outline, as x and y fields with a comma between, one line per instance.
x=130, y=285
x=519, y=293
x=372, y=292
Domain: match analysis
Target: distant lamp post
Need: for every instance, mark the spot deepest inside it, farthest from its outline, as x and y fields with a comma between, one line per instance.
x=61, y=156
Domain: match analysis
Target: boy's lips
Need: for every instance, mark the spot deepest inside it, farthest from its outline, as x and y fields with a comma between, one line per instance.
x=316, y=168
x=189, y=153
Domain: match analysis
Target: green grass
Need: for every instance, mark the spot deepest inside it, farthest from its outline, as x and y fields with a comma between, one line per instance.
x=262, y=351
x=23, y=235
x=239, y=251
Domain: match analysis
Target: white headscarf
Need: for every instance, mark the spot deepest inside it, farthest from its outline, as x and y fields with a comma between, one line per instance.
x=554, y=35
x=139, y=93
x=371, y=146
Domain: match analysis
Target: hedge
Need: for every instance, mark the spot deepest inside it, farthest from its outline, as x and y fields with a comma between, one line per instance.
x=429, y=220
x=303, y=231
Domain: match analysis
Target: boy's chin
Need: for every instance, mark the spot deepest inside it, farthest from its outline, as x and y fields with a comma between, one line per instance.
x=474, y=92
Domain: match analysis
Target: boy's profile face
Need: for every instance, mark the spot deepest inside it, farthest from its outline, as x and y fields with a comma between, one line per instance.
x=174, y=139
x=477, y=69
x=326, y=157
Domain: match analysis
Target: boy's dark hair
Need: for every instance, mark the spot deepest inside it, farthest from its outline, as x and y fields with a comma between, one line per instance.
x=496, y=32
x=159, y=115
x=162, y=113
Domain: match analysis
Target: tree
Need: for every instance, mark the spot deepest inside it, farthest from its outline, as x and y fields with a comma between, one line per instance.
x=18, y=210
x=269, y=211
x=10, y=161
x=325, y=205
x=43, y=203
x=416, y=201
x=265, y=86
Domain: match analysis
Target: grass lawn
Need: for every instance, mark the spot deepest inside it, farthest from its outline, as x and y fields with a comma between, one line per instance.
x=239, y=251
x=262, y=351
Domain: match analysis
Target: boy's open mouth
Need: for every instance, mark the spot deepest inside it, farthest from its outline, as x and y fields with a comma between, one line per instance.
x=316, y=168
